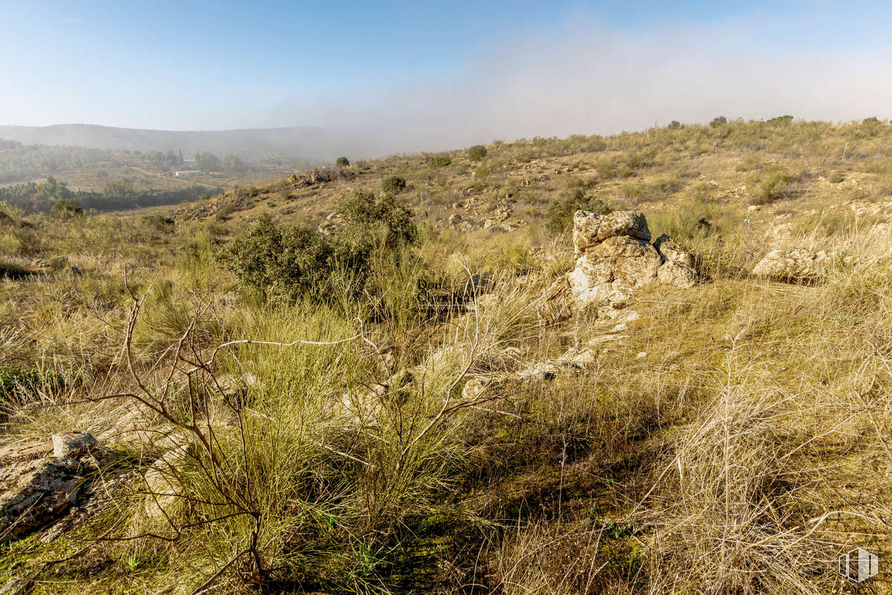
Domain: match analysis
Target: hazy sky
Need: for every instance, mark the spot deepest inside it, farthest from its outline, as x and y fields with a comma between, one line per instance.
x=426, y=74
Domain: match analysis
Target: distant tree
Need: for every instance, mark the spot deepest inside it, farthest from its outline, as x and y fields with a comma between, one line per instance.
x=207, y=162
x=66, y=209
x=477, y=153
x=53, y=190
x=122, y=189
x=234, y=163
x=342, y=162
x=674, y=125
x=718, y=121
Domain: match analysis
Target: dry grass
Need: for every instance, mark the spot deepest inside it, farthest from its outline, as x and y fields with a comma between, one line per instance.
x=734, y=441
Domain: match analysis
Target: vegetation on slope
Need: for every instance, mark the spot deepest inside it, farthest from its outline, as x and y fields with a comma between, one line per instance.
x=732, y=440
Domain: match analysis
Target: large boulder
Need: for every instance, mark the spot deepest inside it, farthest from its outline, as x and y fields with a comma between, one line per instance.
x=794, y=266
x=614, y=259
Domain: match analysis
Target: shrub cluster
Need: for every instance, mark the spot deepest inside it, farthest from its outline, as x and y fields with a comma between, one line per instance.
x=298, y=260
x=439, y=161
x=393, y=185
x=66, y=208
x=477, y=153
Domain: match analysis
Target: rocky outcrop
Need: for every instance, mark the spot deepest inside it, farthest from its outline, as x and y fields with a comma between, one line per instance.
x=40, y=481
x=614, y=259
x=794, y=266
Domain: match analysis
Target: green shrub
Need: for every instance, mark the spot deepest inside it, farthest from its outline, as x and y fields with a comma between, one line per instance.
x=29, y=243
x=279, y=261
x=342, y=162
x=836, y=178
x=477, y=153
x=66, y=209
x=298, y=260
x=718, y=121
x=559, y=216
x=366, y=216
x=439, y=161
x=674, y=125
x=393, y=185
x=773, y=185
x=159, y=223
x=15, y=380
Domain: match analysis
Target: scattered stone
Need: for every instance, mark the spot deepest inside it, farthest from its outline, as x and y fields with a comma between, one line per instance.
x=799, y=266
x=72, y=444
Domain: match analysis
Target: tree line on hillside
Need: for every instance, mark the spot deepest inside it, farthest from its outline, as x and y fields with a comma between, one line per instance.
x=19, y=162
x=33, y=197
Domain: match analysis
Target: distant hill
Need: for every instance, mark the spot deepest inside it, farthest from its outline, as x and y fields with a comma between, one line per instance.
x=301, y=142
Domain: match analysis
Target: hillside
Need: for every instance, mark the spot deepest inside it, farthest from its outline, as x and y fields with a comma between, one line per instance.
x=479, y=371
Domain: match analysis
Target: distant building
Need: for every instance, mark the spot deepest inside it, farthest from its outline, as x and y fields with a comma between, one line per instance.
x=189, y=172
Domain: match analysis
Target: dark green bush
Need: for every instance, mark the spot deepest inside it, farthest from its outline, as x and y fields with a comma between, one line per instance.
x=281, y=261
x=342, y=162
x=393, y=185
x=718, y=121
x=439, y=161
x=15, y=380
x=367, y=216
x=159, y=223
x=477, y=153
x=66, y=208
x=298, y=260
x=674, y=125
x=559, y=217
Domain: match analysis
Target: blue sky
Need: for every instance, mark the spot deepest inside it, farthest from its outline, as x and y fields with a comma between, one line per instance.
x=212, y=65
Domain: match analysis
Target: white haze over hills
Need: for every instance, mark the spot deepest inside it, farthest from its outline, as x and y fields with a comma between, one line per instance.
x=584, y=79
x=309, y=142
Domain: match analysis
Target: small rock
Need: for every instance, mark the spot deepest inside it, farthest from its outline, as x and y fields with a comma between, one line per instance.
x=72, y=444
x=794, y=266
x=641, y=355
